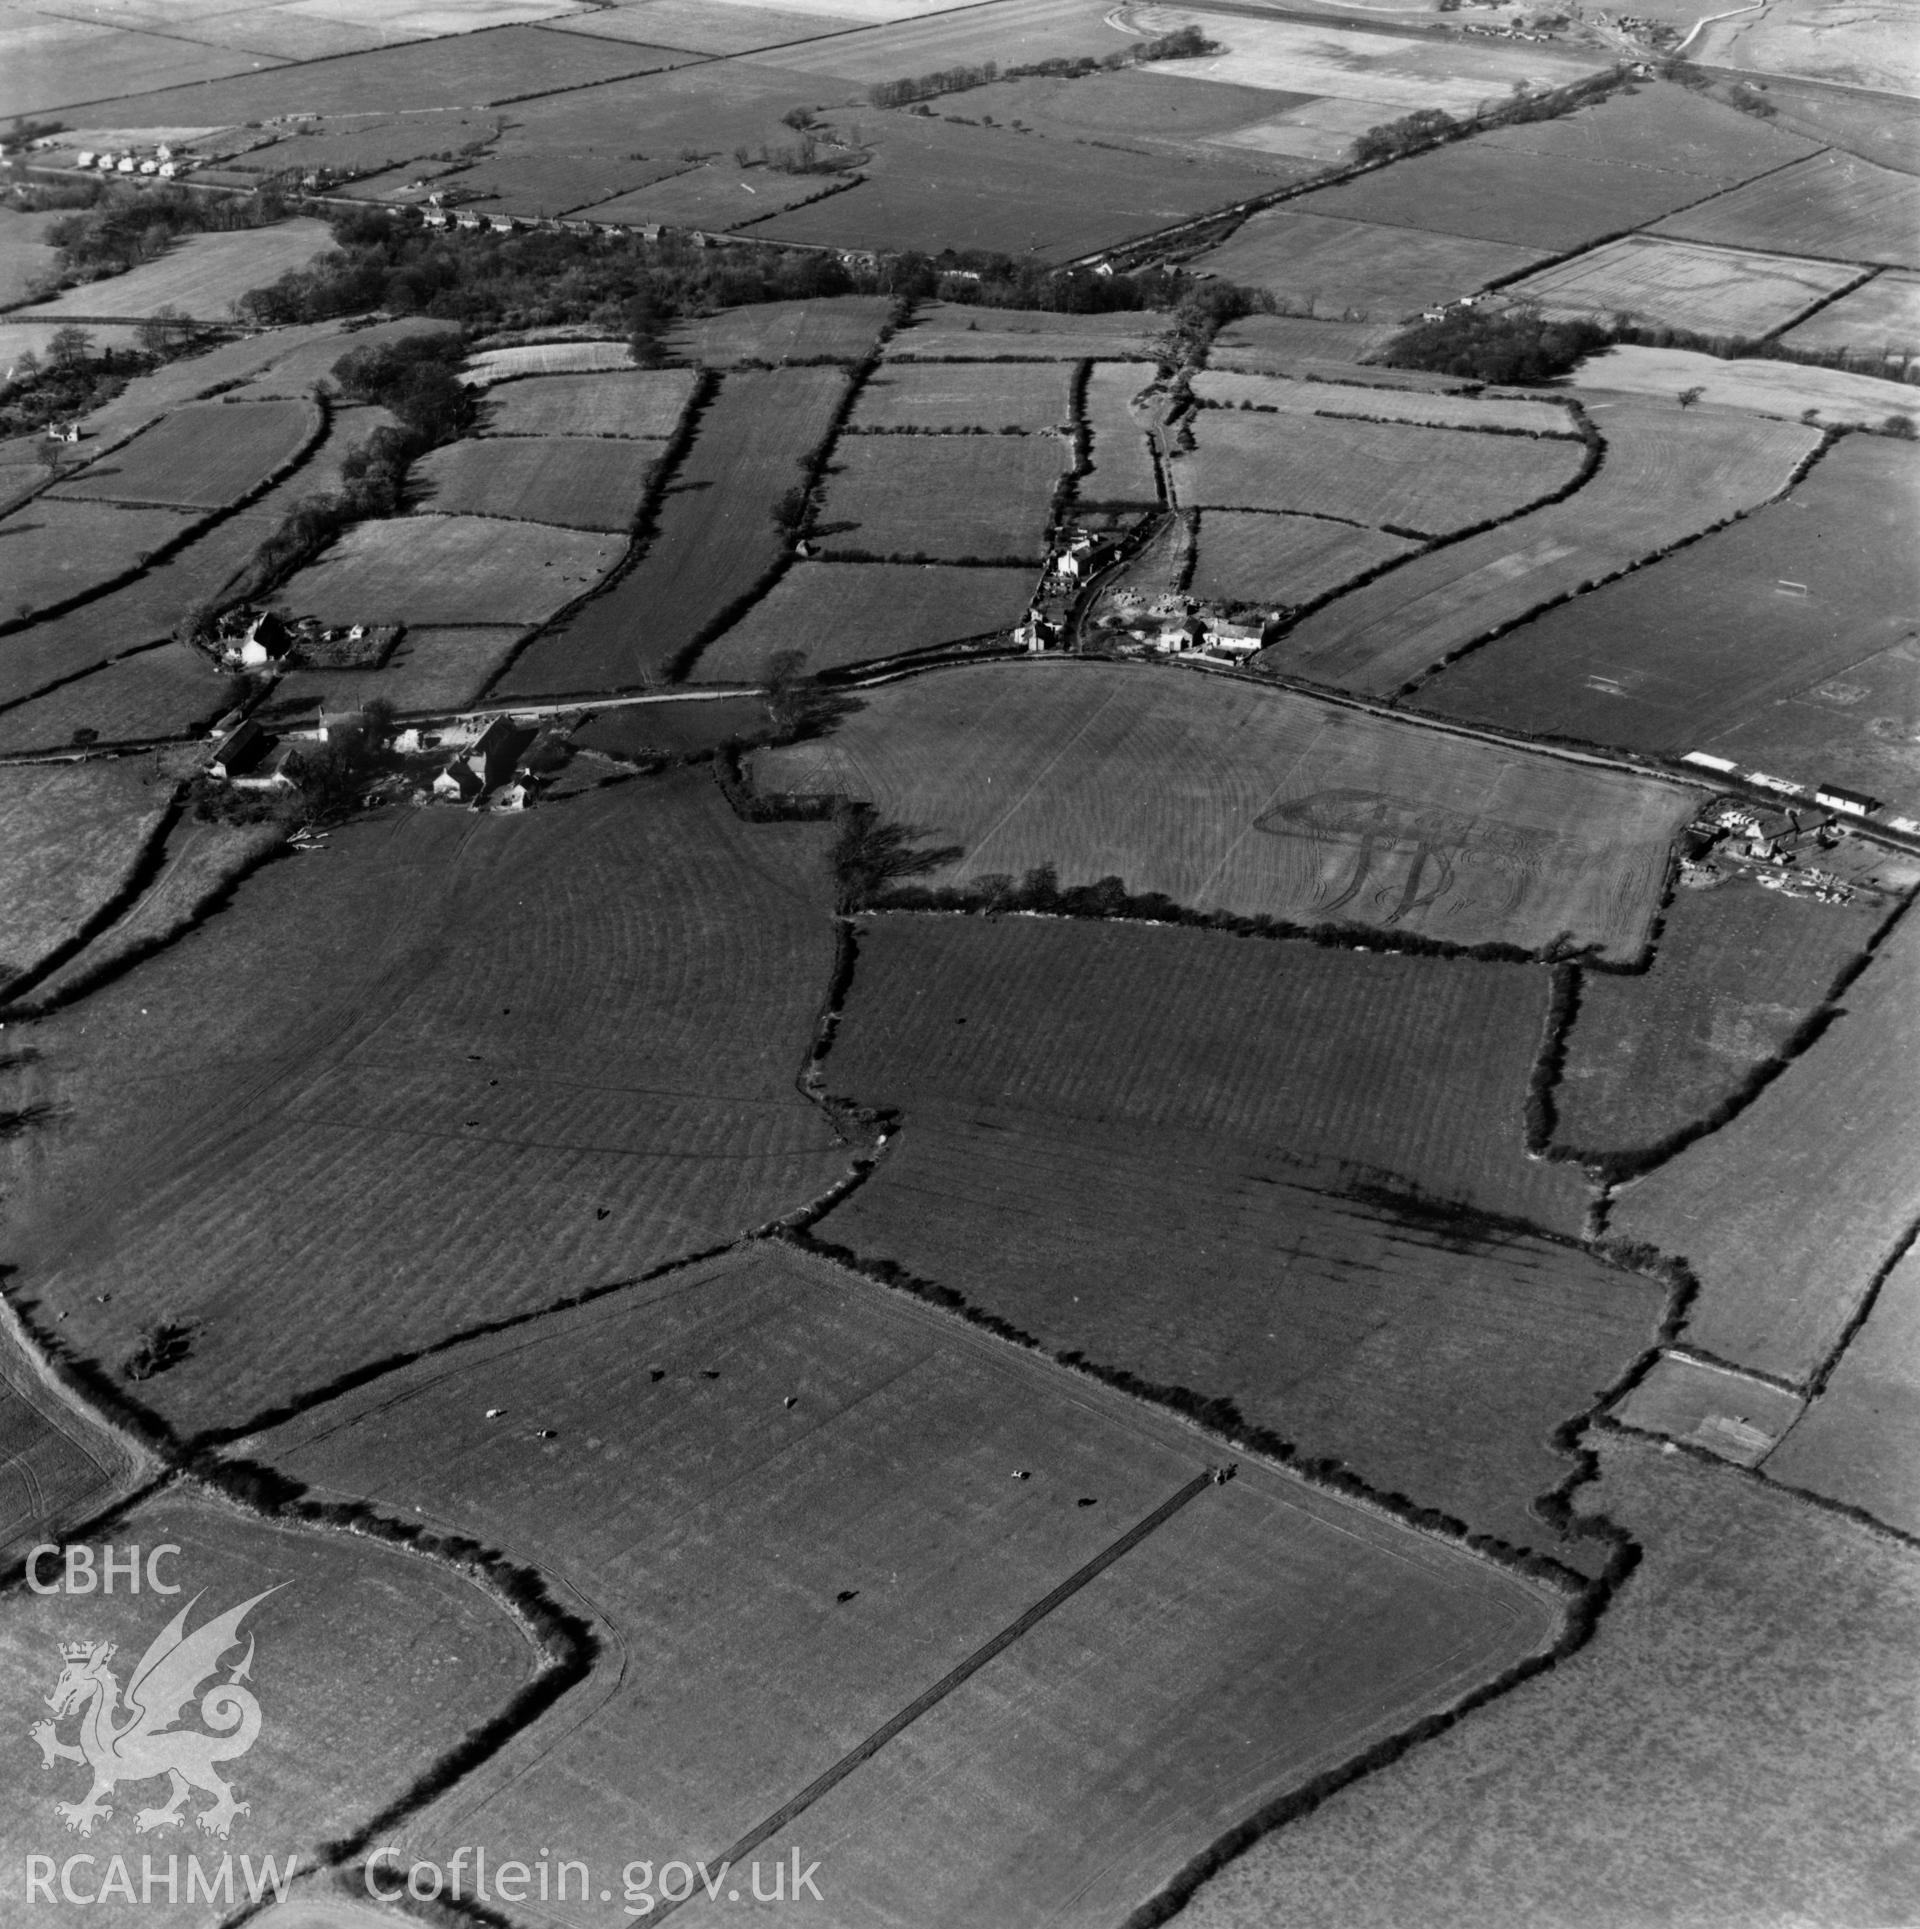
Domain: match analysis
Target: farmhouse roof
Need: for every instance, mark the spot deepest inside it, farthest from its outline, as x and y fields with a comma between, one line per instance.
x=1840, y=798
x=239, y=750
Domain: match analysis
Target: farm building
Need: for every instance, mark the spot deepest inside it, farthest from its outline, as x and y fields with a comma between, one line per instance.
x=1855, y=803
x=238, y=751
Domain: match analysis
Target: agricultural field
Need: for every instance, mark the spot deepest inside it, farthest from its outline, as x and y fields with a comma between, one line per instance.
x=1226, y=796
x=354, y=1707
x=1878, y=321
x=933, y=185
x=1407, y=480
x=1548, y=202
x=843, y=329
x=489, y=365
x=50, y=62
x=1736, y=972
x=1667, y=475
x=1787, y=1213
x=1727, y=1740
x=1783, y=638
x=201, y=275
x=205, y=456
x=1835, y=206
x=72, y=837
x=1227, y=390
x=714, y=539
x=1284, y=561
x=964, y=395
x=952, y=332
x=594, y=1085
x=1838, y=397
x=641, y=732
x=840, y=613
x=1121, y=458
x=983, y=499
x=702, y=27
x=1277, y=344
x=924, y=36
x=54, y=552
x=866, y=1541
x=1680, y=284
x=578, y=482
x=1867, y=46
x=643, y=403
x=304, y=355
x=1360, y=270
x=1730, y=1415
x=1856, y=1441
x=171, y=691
x=26, y=256
x=715, y=197
x=55, y=648
x=440, y=570
x=433, y=668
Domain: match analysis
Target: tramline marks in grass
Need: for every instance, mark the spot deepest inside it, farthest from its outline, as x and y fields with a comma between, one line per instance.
x=1227, y=390
x=953, y=332
x=574, y=481
x=1258, y=557
x=915, y=395
x=1227, y=796
x=1786, y=1213
x=713, y=541
x=1390, y=475
x=839, y=328
x=170, y=691
x=639, y=402
x=202, y=457
x=952, y=498
x=877, y=1496
x=574, y=1034
x=1667, y=475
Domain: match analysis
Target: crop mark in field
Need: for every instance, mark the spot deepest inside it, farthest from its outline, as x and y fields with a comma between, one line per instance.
x=864, y=1751
x=1373, y=823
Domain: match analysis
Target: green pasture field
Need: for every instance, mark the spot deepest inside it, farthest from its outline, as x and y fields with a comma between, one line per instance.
x=1359, y=269
x=1735, y=972
x=365, y=144
x=139, y=612
x=714, y=538
x=71, y=838
x=579, y=482
x=839, y=613
x=1255, y=557
x=576, y=1031
x=841, y=329
x=932, y=185
x=1730, y=1415
x=1229, y=796
x=205, y=456
x=714, y=197
x=1545, y=201
x=1679, y=284
x=489, y=365
x=1780, y=1771
x=52, y=551
x=1303, y=1055
x=1836, y=397
x=1783, y=636
x=1880, y=319
x=52, y=62
x=172, y=691
x=449, y=570
x=201, y=275
x=1672, y=128
x=433, y=668
x=1286, y=397
x=531, y=180
x=964, y=395
x=954, y=332
x=1857, y=1442
x=1122, y=468
x=1834, y=205
x=1100, y=1123
x=1786, y=1213
x=465, y=70
x=1667, y=475
x=61, y=1466
x=355, y=1707
x=197, y=864
x=940, y=37
x=26, y=256
x=829, y=1467
x=1392, y=475
x=641, y=731
x=703, y=27
x=1273, y=344
x=963, y=498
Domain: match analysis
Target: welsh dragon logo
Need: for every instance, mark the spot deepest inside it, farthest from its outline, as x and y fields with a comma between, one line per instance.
x=134, y=1739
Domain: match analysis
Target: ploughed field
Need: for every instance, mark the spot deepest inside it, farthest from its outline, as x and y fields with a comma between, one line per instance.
x=798, y=1504
x=1290, y=1178
x=1225, y=796
x=575, y=1033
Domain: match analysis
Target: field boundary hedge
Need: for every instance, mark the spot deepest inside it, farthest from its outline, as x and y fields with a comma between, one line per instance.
x=1799, y=473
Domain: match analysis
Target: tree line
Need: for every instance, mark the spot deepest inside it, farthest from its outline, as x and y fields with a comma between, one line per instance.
x=1185, y=43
